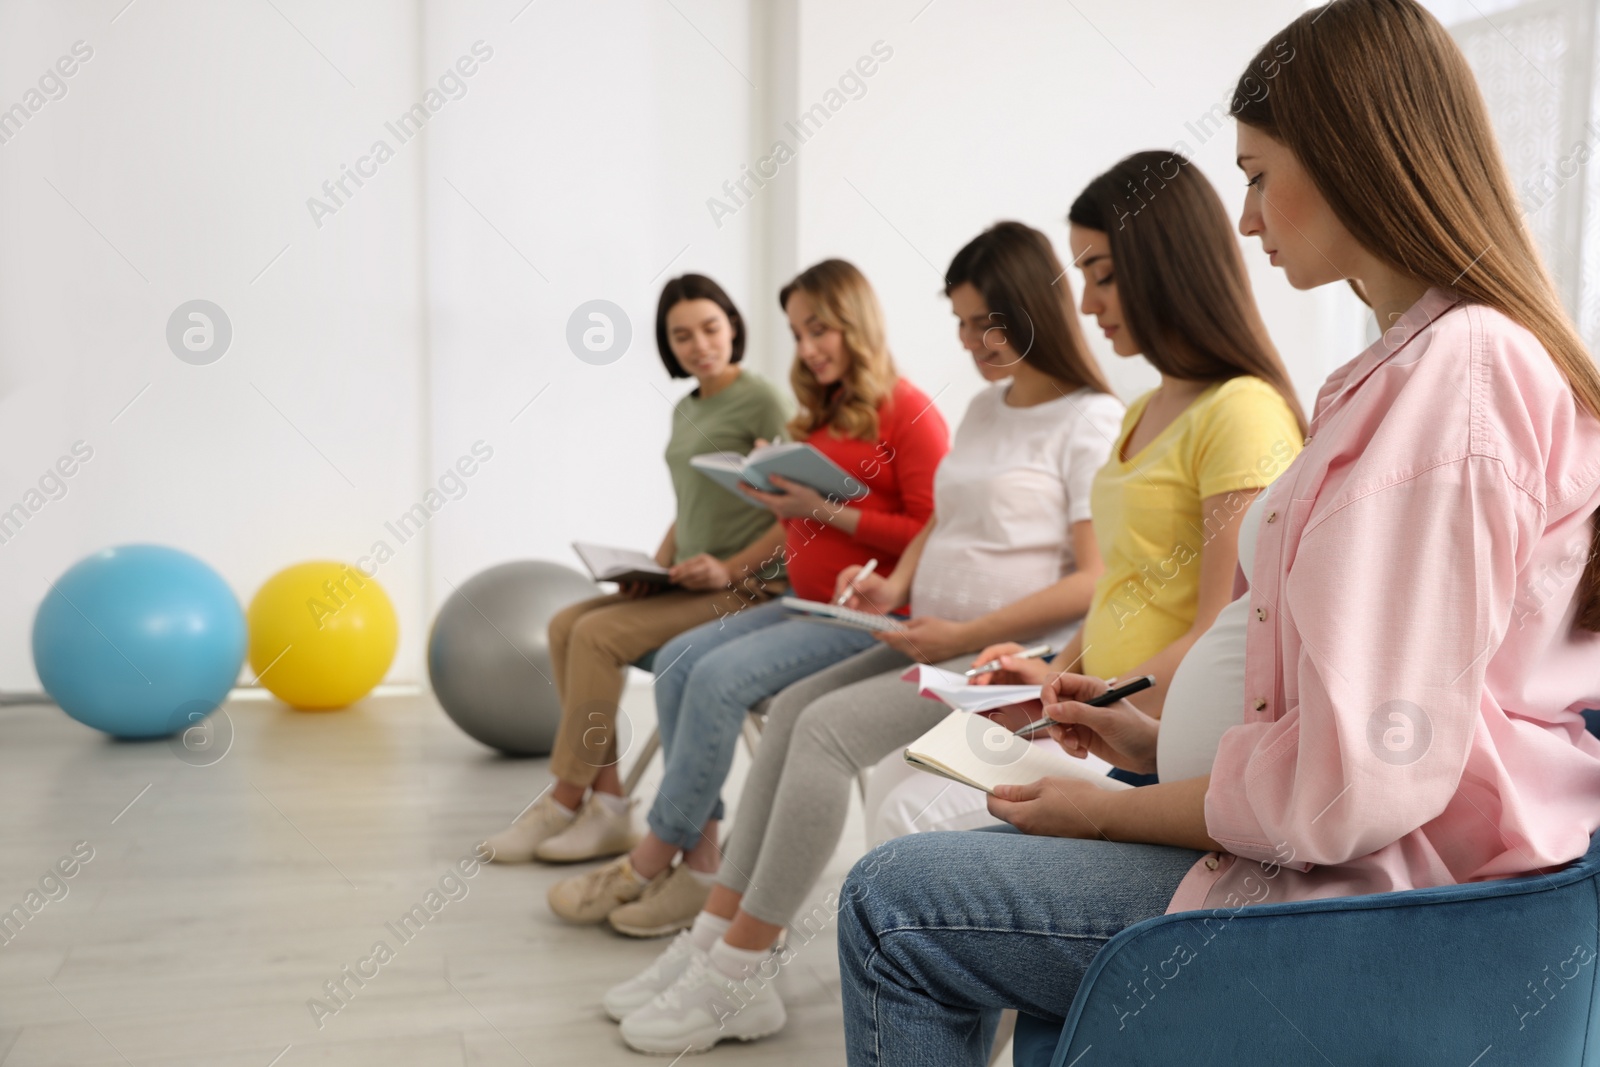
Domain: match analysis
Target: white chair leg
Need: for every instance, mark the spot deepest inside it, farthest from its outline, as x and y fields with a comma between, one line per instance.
x=751, y=733
x=636, y=772
x=754, y=723
x=1002, y=1035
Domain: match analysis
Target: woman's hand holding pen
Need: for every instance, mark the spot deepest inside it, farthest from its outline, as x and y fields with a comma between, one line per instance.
x=1014, y=670
x=868, y=591
x=1120, y=734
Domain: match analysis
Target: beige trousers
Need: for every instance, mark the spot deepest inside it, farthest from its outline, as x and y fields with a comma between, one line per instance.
x=592, y=643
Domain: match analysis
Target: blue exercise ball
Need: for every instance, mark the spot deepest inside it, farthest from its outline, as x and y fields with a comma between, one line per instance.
x=139, y=641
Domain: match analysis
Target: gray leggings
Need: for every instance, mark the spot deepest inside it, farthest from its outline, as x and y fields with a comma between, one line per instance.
x=820, y=733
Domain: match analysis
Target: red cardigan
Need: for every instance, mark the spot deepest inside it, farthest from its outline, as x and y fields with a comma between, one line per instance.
x=897, y=468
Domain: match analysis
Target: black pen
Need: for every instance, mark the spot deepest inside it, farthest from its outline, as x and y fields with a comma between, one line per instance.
x=1109, y=697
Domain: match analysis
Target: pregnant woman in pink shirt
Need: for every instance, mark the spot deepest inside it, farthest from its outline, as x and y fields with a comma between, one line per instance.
x=1423, y=621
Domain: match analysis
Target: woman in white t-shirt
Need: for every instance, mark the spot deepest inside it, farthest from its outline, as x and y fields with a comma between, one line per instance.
x=1008, y=554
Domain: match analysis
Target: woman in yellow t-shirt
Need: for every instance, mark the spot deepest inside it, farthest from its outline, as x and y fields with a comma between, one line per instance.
x=1164, y=279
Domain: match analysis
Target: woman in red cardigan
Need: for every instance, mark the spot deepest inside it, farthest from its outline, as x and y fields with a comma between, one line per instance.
x=886, y=434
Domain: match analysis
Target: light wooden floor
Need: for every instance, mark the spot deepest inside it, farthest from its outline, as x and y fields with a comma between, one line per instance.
x=220, y=898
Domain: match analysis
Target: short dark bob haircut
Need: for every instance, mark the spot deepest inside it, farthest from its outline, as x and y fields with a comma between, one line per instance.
x=694, y=287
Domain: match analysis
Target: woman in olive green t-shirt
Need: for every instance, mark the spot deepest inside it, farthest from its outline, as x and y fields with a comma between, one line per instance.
x=714, y=548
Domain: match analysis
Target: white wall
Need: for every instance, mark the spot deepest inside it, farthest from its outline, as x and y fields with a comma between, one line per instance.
x=575, y=163
x=590, y=142
x=191, y=141
x=993, y=111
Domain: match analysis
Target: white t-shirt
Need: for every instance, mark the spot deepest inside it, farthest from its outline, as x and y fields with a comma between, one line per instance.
x=1014, y=481
x=1206, y=696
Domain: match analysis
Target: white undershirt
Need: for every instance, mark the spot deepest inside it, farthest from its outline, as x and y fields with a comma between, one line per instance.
x=1206, y=696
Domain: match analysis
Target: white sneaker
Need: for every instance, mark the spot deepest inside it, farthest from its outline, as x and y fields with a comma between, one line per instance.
x=642, y=988
x=517, y=842
x=703, y=1007
x=598, y=832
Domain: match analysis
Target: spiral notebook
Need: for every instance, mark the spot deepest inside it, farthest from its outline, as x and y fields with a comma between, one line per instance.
x=833, y=615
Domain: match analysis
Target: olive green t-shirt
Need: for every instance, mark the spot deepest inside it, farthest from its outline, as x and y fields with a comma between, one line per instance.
x=711, y=519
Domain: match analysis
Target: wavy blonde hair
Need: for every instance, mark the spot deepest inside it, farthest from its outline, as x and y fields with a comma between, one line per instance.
x=845, y=302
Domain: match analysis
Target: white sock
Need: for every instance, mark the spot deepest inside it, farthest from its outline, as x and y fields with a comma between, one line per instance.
x=563, y=807
x=707, y=930
x=613, y=804
x=705, y=878
x=737, y=963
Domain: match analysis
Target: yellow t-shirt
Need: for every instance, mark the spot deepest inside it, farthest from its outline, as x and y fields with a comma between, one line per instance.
x=1238, y=434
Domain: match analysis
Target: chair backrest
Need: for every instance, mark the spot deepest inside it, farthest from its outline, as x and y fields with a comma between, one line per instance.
x=1421, y=976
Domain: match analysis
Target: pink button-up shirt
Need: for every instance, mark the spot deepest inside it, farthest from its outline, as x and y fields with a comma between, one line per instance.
x=1412, y=675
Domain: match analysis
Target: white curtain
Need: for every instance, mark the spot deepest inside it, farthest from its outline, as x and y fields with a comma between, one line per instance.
x=1536, y=64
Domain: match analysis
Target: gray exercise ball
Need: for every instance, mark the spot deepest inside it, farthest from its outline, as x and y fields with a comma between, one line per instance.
x=489, y=654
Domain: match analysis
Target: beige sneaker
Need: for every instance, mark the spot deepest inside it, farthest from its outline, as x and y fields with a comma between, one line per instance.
x=596, y=833
x=666, y=906
x=516, y=843
x=586, y=899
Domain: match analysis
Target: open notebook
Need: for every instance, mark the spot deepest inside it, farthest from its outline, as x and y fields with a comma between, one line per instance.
x=976, y=751
x=955, y=690
x=796, y=461
x=833, y=615
x=620, y=564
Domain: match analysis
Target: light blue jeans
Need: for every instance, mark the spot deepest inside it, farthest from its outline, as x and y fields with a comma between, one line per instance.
x=709, y=679
x=940, y=932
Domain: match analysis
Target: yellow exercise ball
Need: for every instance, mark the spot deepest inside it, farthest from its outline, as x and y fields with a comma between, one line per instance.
x=322, y=634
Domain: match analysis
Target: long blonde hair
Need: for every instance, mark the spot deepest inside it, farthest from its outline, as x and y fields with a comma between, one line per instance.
x=1379, y=105
x=845, y=302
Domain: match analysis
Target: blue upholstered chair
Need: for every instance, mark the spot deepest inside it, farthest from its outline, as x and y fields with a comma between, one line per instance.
x=1489, y=973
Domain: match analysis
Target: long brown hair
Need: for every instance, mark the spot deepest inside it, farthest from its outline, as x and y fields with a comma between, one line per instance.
x=1180, y=275
x=1378, y=104
x=1016, y=270
x=845, y=302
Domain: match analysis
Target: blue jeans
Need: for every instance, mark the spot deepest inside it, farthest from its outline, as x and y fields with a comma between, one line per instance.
x=710, y=677
x=940, y=932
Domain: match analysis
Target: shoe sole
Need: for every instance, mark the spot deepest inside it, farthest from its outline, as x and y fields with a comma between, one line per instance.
x=578, y=922
x=597, y=920
x=649, y=931
x=694, y=1046
x=521, y=854
x=603, y=854
x=614, y=1017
